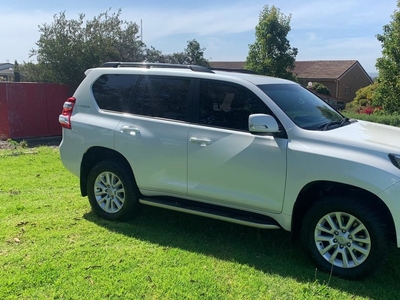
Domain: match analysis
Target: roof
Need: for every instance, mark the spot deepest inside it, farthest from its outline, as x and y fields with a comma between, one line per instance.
x=5, y=66
x=318, y=69
x=255, y=79
x=322, y=69
x=177, y=70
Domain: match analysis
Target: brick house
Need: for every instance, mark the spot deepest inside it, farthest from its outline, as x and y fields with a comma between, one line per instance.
x=342, y=77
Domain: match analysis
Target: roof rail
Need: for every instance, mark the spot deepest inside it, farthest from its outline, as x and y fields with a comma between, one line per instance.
x=235, y=70
x=147, y=65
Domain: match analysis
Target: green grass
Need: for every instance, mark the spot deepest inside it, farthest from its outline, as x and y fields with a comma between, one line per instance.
x=53, y=247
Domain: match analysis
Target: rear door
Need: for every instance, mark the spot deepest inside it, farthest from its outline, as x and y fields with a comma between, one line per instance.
x=153, y=136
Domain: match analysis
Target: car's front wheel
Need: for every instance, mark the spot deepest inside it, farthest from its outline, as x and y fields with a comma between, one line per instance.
x=345, y=236
x=112, y=191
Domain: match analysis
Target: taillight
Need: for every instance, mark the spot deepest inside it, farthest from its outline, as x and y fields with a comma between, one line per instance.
x=65, y=117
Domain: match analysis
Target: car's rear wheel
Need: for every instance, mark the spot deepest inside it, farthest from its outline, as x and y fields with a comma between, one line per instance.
x=345, y=236
x=112, y=191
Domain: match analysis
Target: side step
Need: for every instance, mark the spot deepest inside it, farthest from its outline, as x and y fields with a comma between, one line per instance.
x=212, y=211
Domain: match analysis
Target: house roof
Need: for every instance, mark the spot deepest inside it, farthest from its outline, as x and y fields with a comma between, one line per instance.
x=322, y=69
x=318, y=69
x=5, y=66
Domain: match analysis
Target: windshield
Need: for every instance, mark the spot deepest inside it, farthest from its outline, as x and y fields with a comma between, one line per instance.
x=304, y=108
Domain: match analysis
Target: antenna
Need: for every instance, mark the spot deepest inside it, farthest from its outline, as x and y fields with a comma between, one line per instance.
x=141, y=30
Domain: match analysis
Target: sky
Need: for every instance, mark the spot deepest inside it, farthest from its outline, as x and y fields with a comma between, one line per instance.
x=320, y=29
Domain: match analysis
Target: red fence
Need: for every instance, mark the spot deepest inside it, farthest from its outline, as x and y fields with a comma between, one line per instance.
x=30, y=110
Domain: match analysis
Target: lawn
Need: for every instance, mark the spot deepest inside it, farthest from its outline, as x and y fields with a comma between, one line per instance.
x=53, y=247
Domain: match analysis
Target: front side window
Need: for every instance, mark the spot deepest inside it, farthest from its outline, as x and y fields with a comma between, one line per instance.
x=113, y=91
x=162, y=97
x=304, y=108
x=227, y=105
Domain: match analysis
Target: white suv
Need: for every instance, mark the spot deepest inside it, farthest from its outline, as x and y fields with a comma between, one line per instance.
x=244, y=148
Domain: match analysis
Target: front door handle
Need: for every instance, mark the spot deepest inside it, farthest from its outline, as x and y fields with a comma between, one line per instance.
x=129, y=129
x=202, y=141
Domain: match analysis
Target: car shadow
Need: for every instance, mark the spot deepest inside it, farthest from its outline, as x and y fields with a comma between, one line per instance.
x=270, y=251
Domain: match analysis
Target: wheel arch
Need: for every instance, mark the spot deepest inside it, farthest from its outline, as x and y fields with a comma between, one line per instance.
x=93, y=156
x=316, y=190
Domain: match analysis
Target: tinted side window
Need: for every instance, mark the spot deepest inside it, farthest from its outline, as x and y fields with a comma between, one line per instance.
x=228, y=105
x=113, y=91
x=162, y=97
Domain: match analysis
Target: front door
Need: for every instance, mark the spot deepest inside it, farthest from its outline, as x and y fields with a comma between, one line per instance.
x=227, y=165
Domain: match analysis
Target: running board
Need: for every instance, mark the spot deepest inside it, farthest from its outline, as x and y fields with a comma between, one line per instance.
x=212, y=211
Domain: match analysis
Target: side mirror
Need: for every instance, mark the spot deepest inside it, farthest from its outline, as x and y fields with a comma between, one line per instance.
x=260, y=123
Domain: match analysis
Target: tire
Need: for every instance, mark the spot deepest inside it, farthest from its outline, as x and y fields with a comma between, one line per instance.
x=343, y=235
x=112, y=191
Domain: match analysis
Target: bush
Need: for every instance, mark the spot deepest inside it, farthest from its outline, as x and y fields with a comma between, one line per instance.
x=320, y=88
x=379, y=117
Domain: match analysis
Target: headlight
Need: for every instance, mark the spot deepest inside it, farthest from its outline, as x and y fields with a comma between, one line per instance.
x=395, y=159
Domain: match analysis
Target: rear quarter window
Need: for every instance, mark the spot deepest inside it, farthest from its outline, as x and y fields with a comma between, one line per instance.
x=113, y=91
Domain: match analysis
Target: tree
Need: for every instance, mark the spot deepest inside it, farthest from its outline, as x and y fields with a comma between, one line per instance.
x=193, y=54
x=17, y=72
x=66, y=48
x=388, y=89
x=154, y=55
x=32, y=72
x=271, y=53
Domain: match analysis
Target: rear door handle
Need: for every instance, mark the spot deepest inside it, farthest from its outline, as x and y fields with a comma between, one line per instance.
x=202, y=141
x=130, y=129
